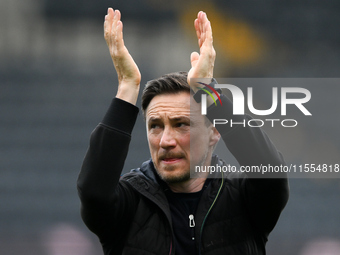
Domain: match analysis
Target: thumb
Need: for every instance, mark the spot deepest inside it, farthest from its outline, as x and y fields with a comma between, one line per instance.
x=194, y=57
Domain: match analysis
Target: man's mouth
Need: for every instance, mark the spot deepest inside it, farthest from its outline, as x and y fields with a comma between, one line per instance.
x=171, y=157
x=171, y=160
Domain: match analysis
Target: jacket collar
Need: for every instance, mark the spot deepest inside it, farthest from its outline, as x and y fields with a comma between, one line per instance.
x=151, y=180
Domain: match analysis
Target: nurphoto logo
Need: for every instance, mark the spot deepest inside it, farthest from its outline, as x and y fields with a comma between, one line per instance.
x=239, y=104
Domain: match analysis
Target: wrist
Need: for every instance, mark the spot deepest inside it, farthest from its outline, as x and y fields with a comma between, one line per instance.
x=198, y=83
x=128, y=92
x=207, y=88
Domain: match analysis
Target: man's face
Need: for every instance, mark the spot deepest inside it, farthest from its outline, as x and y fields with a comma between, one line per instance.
x=169, y=129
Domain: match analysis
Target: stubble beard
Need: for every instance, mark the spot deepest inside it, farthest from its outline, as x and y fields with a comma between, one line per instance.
x=171, y=178
x=184, y=175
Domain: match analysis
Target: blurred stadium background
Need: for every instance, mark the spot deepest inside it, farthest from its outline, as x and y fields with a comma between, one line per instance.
x=57, y=80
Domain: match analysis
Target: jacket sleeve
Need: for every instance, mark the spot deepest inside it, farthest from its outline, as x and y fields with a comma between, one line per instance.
x=265, y=195
x=98, y=180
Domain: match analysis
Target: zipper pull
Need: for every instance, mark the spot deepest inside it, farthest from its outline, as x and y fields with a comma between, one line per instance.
x=191, y=221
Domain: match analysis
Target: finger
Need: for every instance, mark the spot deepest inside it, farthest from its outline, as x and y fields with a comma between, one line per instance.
x=119, y=37
x=201, y=21
x=117, y=12
x=110, y=14
x=201, y=29
x=119, y=30
x=204, y=30
x=207, y=21
x=116, y=18
x=197, y=28
x=114, y=22
x=198, y=31
x=108, y=23
x=209, y=37
x=114, y=32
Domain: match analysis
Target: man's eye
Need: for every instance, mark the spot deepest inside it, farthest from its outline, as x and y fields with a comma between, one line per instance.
x=154, y=126
x=182, y=124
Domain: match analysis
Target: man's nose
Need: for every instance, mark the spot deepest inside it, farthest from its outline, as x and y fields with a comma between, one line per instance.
x=168, y=138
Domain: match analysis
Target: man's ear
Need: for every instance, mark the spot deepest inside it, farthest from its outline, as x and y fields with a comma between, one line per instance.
x=215, y=136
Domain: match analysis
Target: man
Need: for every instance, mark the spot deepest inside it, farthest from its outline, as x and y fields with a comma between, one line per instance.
x=158, y=208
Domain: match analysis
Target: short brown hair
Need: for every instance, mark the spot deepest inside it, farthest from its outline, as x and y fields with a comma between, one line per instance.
x=167, y=84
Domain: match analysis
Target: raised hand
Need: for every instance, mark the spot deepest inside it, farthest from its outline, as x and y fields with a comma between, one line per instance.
x=128, y=73
x=202, y=64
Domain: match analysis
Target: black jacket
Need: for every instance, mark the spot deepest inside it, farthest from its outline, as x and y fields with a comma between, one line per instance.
x=131, y=215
